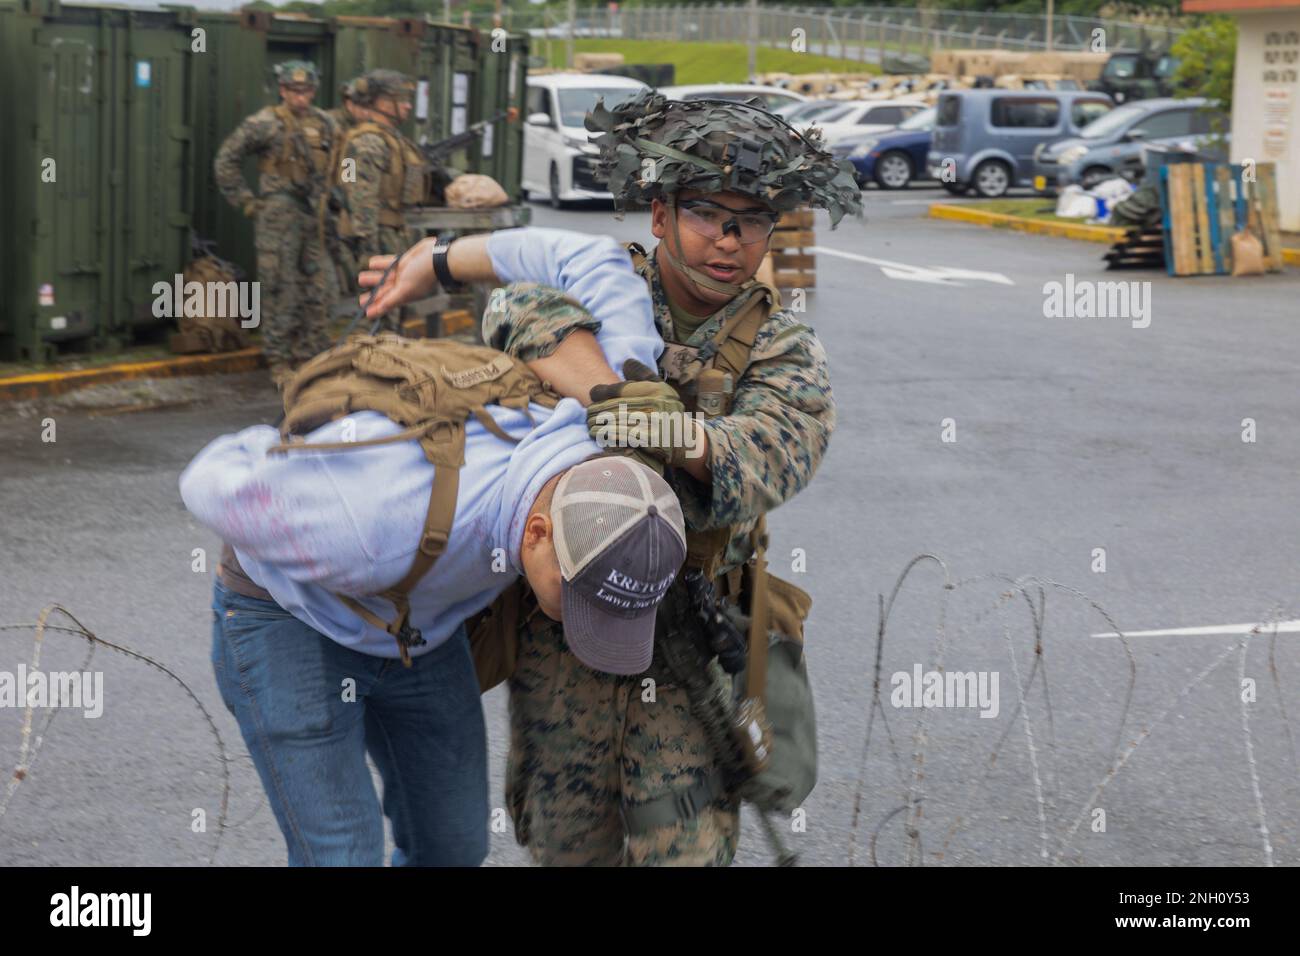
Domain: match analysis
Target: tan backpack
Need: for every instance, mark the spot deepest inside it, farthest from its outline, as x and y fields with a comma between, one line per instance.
x=430, y=386
x=209, y=333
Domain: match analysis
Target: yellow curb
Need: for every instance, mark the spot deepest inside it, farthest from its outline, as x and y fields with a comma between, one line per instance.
x=1063, y=230
x=45, y=384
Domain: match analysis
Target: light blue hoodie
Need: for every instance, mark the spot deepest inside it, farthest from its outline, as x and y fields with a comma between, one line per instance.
x=307, y=525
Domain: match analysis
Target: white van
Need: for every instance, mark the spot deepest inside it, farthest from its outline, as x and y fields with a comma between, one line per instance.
x=558, y=159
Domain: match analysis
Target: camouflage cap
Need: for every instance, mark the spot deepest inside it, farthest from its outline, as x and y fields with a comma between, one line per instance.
x=369, y=86
x=297, y=73
x=652, y=147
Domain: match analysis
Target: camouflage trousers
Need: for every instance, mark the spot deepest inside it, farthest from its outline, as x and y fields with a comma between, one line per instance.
x=388, y=241
x=582, y=743
x=292, y=267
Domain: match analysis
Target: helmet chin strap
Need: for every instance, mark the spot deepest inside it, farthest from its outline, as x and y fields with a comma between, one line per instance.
x=729, y=289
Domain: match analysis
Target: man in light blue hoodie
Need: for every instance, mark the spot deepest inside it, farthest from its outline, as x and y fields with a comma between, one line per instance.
x=315, y=688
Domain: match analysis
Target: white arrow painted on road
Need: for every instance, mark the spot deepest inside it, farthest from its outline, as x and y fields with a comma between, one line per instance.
x=936, y=275
x=1282, y=627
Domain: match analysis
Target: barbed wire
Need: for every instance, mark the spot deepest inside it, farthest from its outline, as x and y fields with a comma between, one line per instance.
x=30, y=747
x=1034, y=592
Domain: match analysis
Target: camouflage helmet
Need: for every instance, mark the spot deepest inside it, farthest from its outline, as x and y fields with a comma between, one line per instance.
x=376, y=83
x=716, y=146
x=297, y=73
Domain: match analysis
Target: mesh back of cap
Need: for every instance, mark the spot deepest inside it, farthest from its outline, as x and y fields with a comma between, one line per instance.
x=598, y=500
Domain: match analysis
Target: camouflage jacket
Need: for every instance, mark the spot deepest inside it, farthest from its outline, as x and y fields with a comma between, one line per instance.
x=264, y=135
x=375, y=163
x=761, y=454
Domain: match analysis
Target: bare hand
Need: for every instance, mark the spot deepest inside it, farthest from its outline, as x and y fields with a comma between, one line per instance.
x=413, y=279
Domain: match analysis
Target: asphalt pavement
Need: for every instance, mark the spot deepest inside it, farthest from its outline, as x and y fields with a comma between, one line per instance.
x=1075, y=476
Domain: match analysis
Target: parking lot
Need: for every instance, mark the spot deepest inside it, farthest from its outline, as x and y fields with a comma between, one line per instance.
x=971, y=426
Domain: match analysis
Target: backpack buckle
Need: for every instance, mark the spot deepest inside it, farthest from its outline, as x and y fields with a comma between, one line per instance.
x=433, y=543
x=408, y=636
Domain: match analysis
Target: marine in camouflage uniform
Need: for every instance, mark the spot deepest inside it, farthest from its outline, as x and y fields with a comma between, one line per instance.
x=344, y=117
x=380, y=171
x=292, y=144
x=583, y=743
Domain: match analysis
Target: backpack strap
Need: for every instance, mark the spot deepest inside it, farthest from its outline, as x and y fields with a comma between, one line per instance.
x=431, y=387
x=637, y=253
x=734, y=342
x=756, y=668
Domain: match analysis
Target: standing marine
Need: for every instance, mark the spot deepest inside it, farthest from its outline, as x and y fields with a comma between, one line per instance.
x=292, y=143
x=600, y=771
x=378, y=171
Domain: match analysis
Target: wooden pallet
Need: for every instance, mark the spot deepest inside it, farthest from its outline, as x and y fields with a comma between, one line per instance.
x=1205, y=204
x=1139, y=249
x=790, y=263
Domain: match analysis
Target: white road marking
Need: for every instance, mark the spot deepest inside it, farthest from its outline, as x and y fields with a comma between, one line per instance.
x=936, y=275
x=1282, y=627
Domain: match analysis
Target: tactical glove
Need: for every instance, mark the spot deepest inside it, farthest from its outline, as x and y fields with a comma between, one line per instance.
x=252, y=207
x=642, y=414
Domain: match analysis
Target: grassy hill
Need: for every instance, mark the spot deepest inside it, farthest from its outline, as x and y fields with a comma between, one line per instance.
x=704, y=62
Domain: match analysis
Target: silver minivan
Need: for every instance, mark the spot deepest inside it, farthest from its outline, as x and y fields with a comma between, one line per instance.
x=985, y=139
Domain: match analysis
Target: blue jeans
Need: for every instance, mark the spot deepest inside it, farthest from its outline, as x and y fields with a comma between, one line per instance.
x=310, y=709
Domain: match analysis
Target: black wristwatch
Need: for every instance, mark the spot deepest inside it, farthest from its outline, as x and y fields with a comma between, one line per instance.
x=440, y=267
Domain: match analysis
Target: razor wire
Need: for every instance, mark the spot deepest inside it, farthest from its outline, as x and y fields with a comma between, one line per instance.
x=1034, y=592
x=32, y=741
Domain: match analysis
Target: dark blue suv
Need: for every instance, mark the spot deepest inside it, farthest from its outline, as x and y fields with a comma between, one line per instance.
x=893, y=158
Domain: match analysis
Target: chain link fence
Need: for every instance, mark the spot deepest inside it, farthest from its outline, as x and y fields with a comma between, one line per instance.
x=863, y=33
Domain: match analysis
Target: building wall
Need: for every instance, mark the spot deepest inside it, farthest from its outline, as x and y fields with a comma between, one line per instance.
x=1266, y=101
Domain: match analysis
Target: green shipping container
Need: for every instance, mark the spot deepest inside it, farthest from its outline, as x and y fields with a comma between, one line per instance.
x=233, y=77
x=94, y=168
x=112, y=119
x=461, y=78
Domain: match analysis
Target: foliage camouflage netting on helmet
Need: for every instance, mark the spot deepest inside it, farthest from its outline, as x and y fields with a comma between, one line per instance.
x=297, y=73
x=381, y=82
x=716, y=146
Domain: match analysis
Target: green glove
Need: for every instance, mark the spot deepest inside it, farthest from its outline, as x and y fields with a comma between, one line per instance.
x=642, y=415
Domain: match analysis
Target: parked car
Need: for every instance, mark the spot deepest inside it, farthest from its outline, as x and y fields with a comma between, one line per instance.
x=558, y=158
x=1112, y=145
x=988, y=138
x=808, y=110
x=891, y=159
x=861, y=116
x=773, y=96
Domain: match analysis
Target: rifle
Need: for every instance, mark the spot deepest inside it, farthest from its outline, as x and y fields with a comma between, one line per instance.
x=434, y=152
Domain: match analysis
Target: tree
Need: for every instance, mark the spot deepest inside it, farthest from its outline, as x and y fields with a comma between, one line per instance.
x=1207, y=54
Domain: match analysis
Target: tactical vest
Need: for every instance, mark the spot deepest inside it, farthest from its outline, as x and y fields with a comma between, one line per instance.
x=705, y=379
x=289, y=162
x=401, y=185
x=430, y=386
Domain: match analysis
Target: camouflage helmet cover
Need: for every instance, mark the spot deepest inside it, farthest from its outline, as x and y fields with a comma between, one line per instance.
x=376, y=83
x=653, y=147
x=297, y=73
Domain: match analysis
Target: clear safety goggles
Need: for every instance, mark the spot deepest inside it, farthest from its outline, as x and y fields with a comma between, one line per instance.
x=713, y=221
